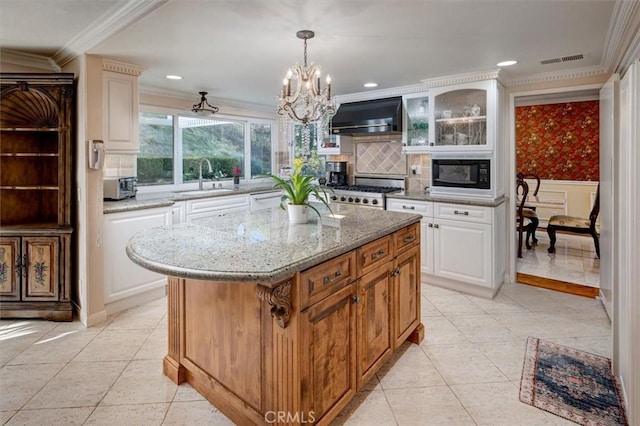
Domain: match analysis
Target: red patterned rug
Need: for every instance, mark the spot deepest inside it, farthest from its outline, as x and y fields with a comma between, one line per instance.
x=569, y=383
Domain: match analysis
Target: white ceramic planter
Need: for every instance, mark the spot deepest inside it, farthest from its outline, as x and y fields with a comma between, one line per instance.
x=298, y=213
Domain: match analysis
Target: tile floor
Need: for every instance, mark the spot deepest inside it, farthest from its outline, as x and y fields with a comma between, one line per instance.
x=465, y=372
x=574, y=261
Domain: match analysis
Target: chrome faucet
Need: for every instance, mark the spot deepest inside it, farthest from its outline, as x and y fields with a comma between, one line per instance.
x=200, y=171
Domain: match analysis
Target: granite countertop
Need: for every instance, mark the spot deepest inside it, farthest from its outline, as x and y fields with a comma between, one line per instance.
x=425, y=196
x=261, y=246
x=162, y=199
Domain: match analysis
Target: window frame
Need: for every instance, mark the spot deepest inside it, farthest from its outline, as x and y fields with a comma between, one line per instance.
x=178, y=184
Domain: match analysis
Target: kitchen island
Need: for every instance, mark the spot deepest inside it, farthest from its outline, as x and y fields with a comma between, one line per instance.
x=280, y=323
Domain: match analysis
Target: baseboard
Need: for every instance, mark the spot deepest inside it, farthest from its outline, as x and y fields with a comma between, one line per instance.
x=90, y=320
x=137, y=300
x=470, y=289
x=557, y=285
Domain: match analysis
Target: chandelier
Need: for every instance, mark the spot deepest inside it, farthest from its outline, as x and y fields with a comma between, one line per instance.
x=203, y=108
x=308, y=103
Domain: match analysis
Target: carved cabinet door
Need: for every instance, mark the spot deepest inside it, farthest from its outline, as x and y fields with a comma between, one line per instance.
x=41, y=257
x=374, y=319
x=328, y=344
x=406, y=287
x=10, y=270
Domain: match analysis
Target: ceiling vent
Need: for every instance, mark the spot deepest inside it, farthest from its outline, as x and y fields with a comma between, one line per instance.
x=562, y=59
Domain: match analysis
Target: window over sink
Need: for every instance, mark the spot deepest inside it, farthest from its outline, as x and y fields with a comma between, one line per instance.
x=172, y=145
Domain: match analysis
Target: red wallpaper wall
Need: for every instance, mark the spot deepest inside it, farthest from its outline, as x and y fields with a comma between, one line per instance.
x=559, y=141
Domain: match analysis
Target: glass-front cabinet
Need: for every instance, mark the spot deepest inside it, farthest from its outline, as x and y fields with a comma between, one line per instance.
x=415, y=137
x=464, y=117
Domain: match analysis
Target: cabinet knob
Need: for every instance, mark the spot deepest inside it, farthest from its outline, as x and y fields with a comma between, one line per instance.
x=430, y=225
x=436, y=226
x=355, y=299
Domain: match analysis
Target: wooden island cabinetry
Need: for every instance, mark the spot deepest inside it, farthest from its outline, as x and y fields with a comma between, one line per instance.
x=298, y=350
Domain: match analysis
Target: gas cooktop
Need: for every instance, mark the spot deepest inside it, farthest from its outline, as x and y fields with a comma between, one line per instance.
x=366, y=188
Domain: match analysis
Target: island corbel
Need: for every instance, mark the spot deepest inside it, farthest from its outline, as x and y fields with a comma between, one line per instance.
x=279, y=298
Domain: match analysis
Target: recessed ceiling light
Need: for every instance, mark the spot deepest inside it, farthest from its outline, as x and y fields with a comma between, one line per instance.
x=174, y=77
x=506, y=63
x=369, y=85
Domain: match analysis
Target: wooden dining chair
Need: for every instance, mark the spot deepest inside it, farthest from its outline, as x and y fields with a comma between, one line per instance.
x=576, y=225
x=523, y=214
x=530, y=211
x=531, y=176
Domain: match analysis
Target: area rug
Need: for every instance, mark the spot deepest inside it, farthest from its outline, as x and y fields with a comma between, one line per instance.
x=569, y=383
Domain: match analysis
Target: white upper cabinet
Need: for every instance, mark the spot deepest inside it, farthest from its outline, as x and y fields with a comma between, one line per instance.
x=416, y=118
x=464, y=112
x=120, y=97
x=464, y=117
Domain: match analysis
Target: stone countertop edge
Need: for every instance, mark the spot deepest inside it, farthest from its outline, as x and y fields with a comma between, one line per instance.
x=267, y=277
x=169, y=198
x=422, y=196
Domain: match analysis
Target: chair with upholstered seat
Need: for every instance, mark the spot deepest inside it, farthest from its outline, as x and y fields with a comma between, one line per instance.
x=524, y=214
x=576, y=225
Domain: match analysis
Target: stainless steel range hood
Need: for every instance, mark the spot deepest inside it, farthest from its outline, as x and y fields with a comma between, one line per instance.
x=368, y=117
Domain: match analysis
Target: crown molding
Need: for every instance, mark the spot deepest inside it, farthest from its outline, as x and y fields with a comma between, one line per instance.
x=121, y=67
x=116, y=19
x=468, y=77
x=29, y=60
x=184, y=96
x=558, y=75
x=380, y=94
x=623, y=36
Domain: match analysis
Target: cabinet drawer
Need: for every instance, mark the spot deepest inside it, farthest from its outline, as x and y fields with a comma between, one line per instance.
x=424, y=208
x=322, y=280
x=477, y=214
x=407, y=237
x=373, y=254
x=206, y=205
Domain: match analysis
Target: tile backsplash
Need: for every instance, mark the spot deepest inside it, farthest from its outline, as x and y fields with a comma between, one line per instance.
x=120, y=165
x=380, y=158
x=376, y=156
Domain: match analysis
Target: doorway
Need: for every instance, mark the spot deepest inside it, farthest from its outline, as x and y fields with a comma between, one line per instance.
x=574, y=267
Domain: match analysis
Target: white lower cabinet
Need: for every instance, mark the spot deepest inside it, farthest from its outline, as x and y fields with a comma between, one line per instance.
x=462, y=245
x=265, y=200
x=179, y=212
x=201, y=208
x=461, y=251
x=123, y=279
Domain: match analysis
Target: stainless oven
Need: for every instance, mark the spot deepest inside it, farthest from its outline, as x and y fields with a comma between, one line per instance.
x=366, y=192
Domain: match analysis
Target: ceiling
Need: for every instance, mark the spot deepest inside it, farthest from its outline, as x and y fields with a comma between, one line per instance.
x=240, y=50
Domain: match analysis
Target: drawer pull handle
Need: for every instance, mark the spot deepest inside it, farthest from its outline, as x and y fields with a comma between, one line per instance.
x=408, y=207
x=409, y=238
x=329, y=278
x=374, y=256
x=463, y=213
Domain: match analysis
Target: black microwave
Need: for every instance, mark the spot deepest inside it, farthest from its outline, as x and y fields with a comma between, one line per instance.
x=461, y=173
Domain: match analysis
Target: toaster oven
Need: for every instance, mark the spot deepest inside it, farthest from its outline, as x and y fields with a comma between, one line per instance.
x=119, y=188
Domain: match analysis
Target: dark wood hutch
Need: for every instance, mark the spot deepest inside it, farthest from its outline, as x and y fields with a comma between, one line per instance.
x=36, y=126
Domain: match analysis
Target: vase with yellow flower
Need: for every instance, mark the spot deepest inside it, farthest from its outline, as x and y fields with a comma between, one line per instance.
x=296, y=190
